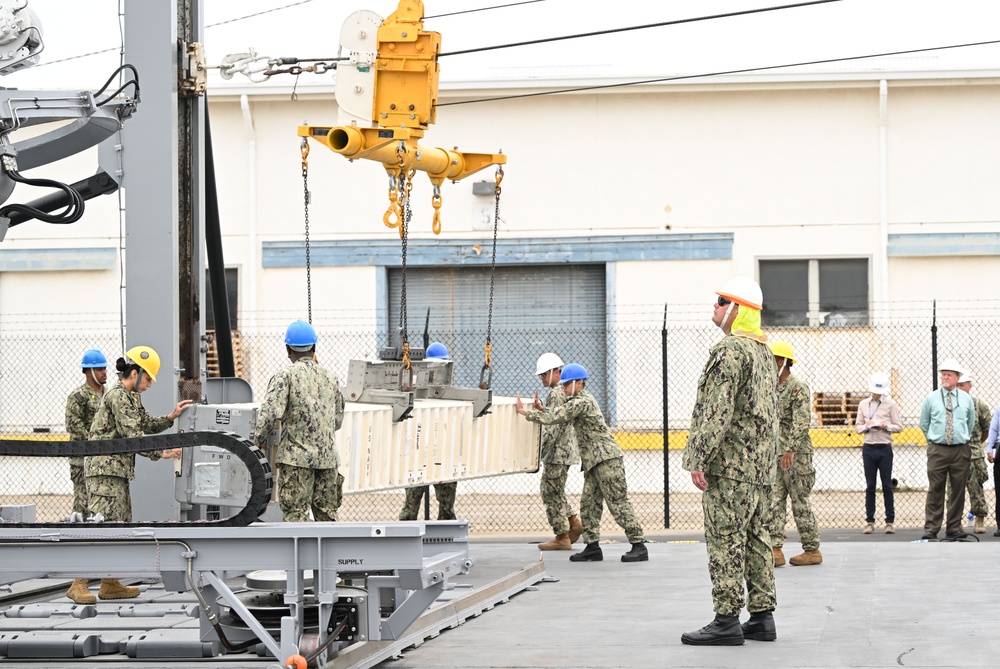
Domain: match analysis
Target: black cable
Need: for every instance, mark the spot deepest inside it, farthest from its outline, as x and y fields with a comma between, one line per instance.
x=121, y=68
x=482, y=9
x=72, y=213
x=121, y=88
x=610, y=31
x=716, y=74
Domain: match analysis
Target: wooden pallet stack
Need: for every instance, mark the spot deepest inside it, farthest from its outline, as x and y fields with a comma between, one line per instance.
x=836, y=408
x=212, y=355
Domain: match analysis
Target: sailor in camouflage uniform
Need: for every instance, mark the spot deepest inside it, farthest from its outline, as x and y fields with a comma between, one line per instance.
x=81, y=407
x=978, y=474
x=121, y=415
x=795, y=475
x=603, y=470
x=445, y=492
x=558, y=452
x=307, y=401
x=732, y=454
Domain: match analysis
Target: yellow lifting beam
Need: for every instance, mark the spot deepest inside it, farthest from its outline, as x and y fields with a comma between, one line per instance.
x=404, y=103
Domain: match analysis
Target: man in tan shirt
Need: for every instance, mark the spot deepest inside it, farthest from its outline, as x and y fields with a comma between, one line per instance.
x=878, y=419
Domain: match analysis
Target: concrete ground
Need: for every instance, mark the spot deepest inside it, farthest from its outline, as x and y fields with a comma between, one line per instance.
x=876, y=601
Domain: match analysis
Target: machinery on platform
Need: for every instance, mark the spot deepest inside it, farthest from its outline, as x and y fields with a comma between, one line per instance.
x=278, y=589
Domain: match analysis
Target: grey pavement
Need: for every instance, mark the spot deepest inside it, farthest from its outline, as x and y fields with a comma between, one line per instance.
x=874, y=602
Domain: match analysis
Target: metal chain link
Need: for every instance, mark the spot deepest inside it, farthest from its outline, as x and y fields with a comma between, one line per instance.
x=405, y=187
x=305, y=200
x=486, y=373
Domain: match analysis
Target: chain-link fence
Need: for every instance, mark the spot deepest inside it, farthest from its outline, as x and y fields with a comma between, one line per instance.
x=37, y=372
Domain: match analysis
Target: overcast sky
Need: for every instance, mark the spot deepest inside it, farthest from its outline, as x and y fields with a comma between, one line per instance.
x=311, y=29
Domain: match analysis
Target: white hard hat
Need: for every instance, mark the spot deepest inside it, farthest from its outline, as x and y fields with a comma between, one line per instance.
x=548, y=361
x=743, y=290
x=879, y=383
x=965, y=378
x=951, y=365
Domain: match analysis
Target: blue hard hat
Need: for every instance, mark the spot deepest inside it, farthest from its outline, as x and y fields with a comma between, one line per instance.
x=93, y=359
x=300, y=333
x=436, y=351
x=573, y=372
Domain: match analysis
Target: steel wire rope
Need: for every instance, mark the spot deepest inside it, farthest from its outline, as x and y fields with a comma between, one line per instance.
x=718, y=73
x=482, y=9
x=610, y=31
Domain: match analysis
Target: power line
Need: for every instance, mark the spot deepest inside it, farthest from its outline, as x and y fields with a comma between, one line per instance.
x=716, y=74
x=482, y=9
x=266, y=11
x=610, y=31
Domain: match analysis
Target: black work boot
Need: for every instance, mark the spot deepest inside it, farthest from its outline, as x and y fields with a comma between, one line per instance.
x=637, y=554
x=723, y=631
x=760, y=627
x=592, y=553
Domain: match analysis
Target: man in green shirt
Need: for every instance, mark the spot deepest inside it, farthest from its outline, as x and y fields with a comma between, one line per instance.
x=947, y=418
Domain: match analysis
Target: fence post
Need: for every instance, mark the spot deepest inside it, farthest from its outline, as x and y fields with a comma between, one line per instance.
x=934, y=345
x=666, y=425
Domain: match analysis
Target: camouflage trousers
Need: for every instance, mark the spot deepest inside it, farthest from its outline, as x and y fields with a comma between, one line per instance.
x=553, y=490
x=301, y=489
x=797, y=486
x=80, y=499
x=605, y=482
x=445, y=493
x=978, y=475
x=110, y=497
x=737, y=514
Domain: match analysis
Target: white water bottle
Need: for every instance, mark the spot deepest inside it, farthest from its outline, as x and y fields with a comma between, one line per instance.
x=970, y=520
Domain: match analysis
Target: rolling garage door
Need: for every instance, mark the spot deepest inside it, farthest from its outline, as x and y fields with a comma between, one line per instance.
x=558, y=308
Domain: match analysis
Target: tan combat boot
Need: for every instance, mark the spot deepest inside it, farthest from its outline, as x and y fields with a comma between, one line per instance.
x=560, y=543
x=807, y=557
x=575, y=529
x=111, y=588
x=80, y=593
x=779, y=557
x=980, y=527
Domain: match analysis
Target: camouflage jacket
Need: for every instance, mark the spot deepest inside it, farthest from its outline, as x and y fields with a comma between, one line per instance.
x=121, y=416
x=307, y=401
x=81, y=407
x=558, y=441
x=734, y=425
x=794, y=415
x=984, y=415
x=593, y=438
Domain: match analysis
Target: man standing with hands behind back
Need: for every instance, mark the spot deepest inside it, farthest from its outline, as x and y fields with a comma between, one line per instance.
x=947, y=416
x=732, y=454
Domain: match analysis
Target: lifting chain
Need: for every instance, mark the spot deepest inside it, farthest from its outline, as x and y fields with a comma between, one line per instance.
x=405, y=187
x=436, y=203
x=318, y=68
x=486, y=374
x=393, y=216
x=305, y=201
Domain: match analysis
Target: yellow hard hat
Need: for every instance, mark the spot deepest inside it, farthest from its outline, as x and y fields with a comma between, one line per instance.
x=782, y=349
x=146, y=358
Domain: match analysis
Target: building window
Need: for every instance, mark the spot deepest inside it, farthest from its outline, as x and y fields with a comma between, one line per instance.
x=232, y=293
x=831, y=292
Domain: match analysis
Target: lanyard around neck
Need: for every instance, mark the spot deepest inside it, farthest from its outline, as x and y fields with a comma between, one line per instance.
x=877, y=405
x=945, y=404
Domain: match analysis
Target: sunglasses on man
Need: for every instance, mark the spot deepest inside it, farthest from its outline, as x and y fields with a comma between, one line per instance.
x=723, y=301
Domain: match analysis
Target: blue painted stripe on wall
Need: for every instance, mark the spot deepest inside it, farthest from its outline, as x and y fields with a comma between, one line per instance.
x=945, y=244
x=618, y=248
x=57, y=260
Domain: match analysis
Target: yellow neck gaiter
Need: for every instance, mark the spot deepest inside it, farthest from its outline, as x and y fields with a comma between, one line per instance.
x=747, y=324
